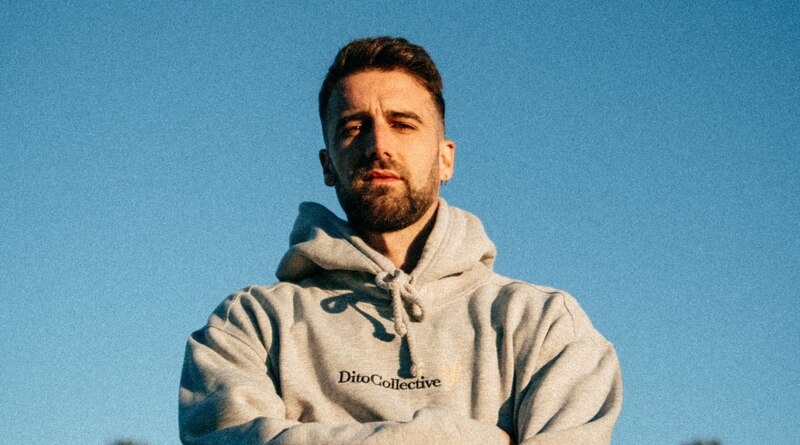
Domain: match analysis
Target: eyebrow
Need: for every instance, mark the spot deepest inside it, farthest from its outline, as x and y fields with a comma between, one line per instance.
x=405, y=115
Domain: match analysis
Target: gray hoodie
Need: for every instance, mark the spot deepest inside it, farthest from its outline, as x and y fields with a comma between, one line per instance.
x=348, y=349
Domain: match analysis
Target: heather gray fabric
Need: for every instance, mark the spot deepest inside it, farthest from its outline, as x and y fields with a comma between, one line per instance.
x=348, y=349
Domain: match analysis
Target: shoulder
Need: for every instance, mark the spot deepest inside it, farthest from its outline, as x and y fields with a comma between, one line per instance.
x=256, y=308
x=257, y=296
x=511, y=290
x=546, y=309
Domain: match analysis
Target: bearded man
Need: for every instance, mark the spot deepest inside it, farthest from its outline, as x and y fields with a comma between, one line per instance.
x=391, y=327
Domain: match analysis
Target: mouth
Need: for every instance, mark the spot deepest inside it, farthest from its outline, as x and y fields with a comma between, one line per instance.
x=381, y=176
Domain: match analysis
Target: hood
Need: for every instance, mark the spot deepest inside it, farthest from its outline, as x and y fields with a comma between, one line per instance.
x=320, y=240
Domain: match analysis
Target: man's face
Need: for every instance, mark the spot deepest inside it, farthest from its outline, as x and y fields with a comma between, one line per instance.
x=386, y=152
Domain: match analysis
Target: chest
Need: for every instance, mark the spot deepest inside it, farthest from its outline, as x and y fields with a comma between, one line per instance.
x=341, y=359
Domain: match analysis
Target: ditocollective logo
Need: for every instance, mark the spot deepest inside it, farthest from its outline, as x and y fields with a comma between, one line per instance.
x=392, y=383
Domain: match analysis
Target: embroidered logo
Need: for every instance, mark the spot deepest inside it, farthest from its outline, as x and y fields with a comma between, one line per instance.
x=451, y=375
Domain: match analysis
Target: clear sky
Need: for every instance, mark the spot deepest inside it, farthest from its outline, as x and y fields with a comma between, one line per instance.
x=642, y=156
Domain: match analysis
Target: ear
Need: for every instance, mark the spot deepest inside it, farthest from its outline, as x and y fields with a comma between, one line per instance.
x=447, y=157
x=327, y=170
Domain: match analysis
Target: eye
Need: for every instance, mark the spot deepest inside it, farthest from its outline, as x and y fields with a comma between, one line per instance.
x=351, y=129
x=403, y=126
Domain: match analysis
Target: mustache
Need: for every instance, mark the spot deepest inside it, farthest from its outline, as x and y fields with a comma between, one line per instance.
x=363, y=167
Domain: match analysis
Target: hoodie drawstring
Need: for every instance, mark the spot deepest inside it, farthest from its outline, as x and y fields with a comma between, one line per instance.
x=403, y=293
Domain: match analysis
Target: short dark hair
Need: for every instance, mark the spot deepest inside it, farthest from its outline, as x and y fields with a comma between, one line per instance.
x=385, y=54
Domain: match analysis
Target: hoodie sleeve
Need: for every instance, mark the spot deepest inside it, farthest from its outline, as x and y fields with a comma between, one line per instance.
x=228, y=395
x=571, y=385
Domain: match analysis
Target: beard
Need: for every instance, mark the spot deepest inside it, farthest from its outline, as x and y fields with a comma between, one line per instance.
x=384, y=207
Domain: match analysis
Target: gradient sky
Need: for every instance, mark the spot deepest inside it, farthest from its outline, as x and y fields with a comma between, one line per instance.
x=643, y=156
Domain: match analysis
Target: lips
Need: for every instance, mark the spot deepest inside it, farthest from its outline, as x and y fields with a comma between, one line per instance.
x=381, y=175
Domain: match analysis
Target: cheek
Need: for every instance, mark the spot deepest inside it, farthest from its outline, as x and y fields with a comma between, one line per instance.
x=427, y=170
x=345, y=166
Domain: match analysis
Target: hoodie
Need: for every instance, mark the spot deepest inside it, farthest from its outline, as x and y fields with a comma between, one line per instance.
x=346, y=348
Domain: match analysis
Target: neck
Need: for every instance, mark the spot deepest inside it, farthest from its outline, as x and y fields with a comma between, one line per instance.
x=403, y=247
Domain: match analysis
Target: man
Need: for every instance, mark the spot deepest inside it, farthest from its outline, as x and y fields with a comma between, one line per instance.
x=392, y=327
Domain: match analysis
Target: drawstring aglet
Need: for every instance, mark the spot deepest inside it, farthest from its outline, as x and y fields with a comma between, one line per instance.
x=401, y=329
x=417, y=312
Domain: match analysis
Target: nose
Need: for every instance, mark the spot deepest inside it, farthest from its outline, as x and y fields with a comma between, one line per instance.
x=379, y=143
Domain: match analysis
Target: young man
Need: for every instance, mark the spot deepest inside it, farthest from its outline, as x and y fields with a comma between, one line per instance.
x=391, y=327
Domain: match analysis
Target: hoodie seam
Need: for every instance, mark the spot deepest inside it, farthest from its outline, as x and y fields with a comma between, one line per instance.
x=562, y=297
x=242, y=341
x=441, y=242
x=479, y=281
x=364, y=256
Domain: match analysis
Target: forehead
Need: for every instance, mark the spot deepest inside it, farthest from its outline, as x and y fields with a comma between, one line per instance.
x=381, y=91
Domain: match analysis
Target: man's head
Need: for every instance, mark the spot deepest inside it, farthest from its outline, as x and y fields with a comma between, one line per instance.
x=384, y=133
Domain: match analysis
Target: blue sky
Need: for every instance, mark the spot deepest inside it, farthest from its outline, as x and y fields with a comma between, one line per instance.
x=642, y=156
